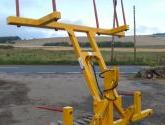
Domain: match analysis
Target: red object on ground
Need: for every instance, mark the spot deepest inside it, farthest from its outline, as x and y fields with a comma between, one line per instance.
x=54, y=109
x=126, y=93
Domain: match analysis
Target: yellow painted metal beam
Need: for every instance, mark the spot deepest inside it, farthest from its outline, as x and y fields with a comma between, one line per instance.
x=49, y=18
x=68, y=116
x=62, y=26
x=138, y=113
x=137, y=101
x=143, y=114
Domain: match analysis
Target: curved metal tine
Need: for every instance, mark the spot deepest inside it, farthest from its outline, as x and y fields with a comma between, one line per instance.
x=123, y=11
x=115, y=12
x=96, y=14
x=54, y=5
x=17, y=10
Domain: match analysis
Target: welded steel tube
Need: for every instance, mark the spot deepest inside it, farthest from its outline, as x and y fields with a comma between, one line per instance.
x=17, y=8
x=96, y=14
x=54, y=5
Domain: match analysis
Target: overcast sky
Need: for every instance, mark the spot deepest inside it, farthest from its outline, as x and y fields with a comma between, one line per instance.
x=150, y=15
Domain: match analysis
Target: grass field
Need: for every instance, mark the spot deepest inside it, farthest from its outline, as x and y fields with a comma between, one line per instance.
x=23, y=56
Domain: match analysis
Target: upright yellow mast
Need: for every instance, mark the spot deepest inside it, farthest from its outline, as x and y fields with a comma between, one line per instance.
x=103, y=105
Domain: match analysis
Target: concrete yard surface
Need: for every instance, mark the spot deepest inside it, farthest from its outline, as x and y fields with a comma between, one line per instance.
x=20, y=94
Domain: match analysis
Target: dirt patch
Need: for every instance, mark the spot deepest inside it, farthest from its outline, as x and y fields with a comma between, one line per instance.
x=154, y=99
x=6, y=117
x=18, y=90
x=12, y=93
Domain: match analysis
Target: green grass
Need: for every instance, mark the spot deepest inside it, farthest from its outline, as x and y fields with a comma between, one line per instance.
x=40, y=57
x=143, y=58
x=31, y=56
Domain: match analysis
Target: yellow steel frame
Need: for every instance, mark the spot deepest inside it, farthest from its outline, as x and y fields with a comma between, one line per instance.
x=103, y=107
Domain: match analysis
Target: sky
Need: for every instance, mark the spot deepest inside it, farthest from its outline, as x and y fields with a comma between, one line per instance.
x=150, y=16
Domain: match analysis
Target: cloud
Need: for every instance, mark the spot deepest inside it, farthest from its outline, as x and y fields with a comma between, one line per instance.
x=147, y=30
x=76, y=22
x=144, y=30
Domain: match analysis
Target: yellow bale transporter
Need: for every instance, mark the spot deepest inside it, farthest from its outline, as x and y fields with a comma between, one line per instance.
x=105, y=102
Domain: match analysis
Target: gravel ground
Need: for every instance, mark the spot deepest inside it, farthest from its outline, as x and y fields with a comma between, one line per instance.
x=21, y=93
